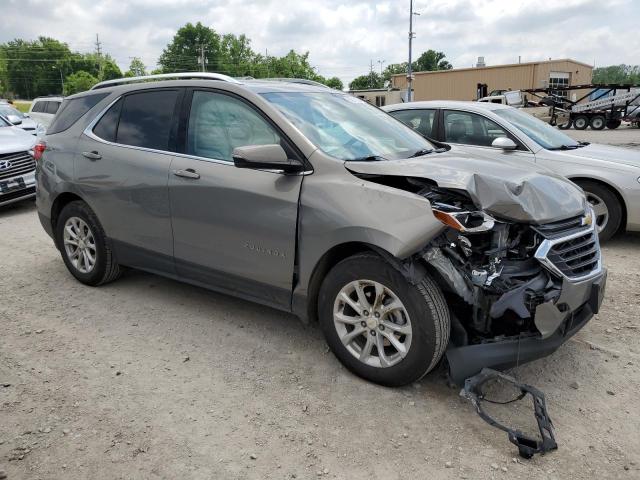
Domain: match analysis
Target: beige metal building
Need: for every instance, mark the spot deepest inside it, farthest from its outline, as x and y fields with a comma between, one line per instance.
x=380, y=96
x=465, y=83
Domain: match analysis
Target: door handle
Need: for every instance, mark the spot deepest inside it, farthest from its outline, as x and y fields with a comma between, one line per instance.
x=188, y=173
x=92, y=155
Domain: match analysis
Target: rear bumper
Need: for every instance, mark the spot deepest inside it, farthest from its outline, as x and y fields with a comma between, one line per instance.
x=469, y=360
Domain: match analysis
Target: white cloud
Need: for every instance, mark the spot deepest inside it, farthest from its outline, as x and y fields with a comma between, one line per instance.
x=344, y=36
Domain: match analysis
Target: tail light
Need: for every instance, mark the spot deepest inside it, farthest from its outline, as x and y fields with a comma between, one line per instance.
x=38, y=150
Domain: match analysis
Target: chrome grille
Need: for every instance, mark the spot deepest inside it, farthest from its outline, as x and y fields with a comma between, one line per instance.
x=19, y=163
x=572, y=251
x=576, y=257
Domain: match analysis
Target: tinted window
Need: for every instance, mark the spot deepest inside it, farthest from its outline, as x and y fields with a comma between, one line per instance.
x=219, y=123
x=147, y=118
x=39, y=107
x=470, y=129
x=72, y=110
x=52, y=107
x=107, y=126
x=420, y=120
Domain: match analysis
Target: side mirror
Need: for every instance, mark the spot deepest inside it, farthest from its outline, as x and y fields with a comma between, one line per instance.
x=504, y=143
x=14, y=119
x=265, y=157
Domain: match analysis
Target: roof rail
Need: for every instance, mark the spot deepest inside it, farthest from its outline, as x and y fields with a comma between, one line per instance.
x=166, y=76
x=297, y=80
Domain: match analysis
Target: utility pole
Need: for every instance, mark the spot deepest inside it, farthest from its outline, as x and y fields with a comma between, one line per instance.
x=371, y=74
x=381, y=62
x=201, y=59
x=411, y=36
x=99, y=55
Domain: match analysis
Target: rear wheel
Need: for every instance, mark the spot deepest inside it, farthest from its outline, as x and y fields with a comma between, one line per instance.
x=613, y=124
x=606, y=208
x=580, y=122
x=598, y=122
x=380, y=326
x=84, y=246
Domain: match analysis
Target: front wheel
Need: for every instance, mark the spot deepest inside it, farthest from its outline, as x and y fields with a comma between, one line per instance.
x=380, y=326
x=606, y=208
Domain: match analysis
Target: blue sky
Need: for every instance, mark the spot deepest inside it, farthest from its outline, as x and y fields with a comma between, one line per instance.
x=344, y=36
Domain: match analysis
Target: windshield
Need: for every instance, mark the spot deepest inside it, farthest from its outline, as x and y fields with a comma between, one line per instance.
x=6, y=110
x=348, y=128
x=540, y=132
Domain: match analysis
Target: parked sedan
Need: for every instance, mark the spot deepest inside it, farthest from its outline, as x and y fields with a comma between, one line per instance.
x=610, y=176
x=21, y=120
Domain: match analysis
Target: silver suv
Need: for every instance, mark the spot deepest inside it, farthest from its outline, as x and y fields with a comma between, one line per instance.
x=314, y=202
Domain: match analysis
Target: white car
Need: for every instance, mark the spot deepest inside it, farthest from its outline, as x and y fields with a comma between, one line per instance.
x=43, y=109
x=21, y=120
x=17, y=165
x=610, y=176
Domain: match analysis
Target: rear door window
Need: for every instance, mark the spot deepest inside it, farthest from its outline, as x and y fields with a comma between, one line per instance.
x=420, y=120
x=146, y=119
x=72, y=110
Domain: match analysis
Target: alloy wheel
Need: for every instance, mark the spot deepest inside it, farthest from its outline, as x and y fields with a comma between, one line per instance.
x=600, y=210
x=372, y=323
x=79, y=244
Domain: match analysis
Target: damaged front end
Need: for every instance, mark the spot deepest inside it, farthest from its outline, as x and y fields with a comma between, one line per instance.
x=516, y=290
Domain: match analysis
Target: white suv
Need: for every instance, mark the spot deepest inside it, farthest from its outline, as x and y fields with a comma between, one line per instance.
x=43, y=109
x=17, y=165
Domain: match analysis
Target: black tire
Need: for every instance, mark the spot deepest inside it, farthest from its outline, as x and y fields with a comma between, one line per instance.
x=105, y=268
x=613, y=124
x=581, y=122
x=613, y=206
x=598, y=122
x=565, y=126
x=424, y=303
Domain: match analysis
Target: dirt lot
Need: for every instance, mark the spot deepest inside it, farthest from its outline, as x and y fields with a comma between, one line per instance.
x=148, y=378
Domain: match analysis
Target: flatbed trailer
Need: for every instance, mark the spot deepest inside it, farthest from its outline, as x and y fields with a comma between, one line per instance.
x=606, y=104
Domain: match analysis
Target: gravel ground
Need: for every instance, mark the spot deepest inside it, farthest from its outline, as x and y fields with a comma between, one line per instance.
x=149, y=378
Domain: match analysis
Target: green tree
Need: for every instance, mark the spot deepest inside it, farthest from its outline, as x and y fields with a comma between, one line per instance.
x=31, y=68
x=620, y=74
x=136, y=68
x=363, y=82
x=183, y=52
x=334, y=82
x=430, y=61
x=79, y=82
x=236, y=57
x=394, y=69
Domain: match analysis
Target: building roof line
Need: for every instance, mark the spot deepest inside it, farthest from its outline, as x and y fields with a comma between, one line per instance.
x=506, y=65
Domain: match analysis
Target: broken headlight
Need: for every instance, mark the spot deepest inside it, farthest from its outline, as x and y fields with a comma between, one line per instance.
x=465, y=221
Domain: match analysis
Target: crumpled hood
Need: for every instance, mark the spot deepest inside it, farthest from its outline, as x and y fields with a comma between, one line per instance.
x=606, y=153
x=522, y=194
x=14, y=139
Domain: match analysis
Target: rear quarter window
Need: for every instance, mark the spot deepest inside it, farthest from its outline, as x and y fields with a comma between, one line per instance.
x=39, y=107
x=72, y=110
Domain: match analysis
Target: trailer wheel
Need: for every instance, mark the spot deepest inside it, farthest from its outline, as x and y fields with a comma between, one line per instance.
x=581, y=122
x=565, y=126
x=613, y=124
x=598, y=122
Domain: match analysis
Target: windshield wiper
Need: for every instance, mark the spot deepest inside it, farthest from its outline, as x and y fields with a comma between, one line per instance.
x=369, y=158
x=421, y=152
x=566, y=147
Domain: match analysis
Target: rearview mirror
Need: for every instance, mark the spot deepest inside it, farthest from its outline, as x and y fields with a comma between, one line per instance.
x=265, y=157
x=14, y=119
x=504, y=143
